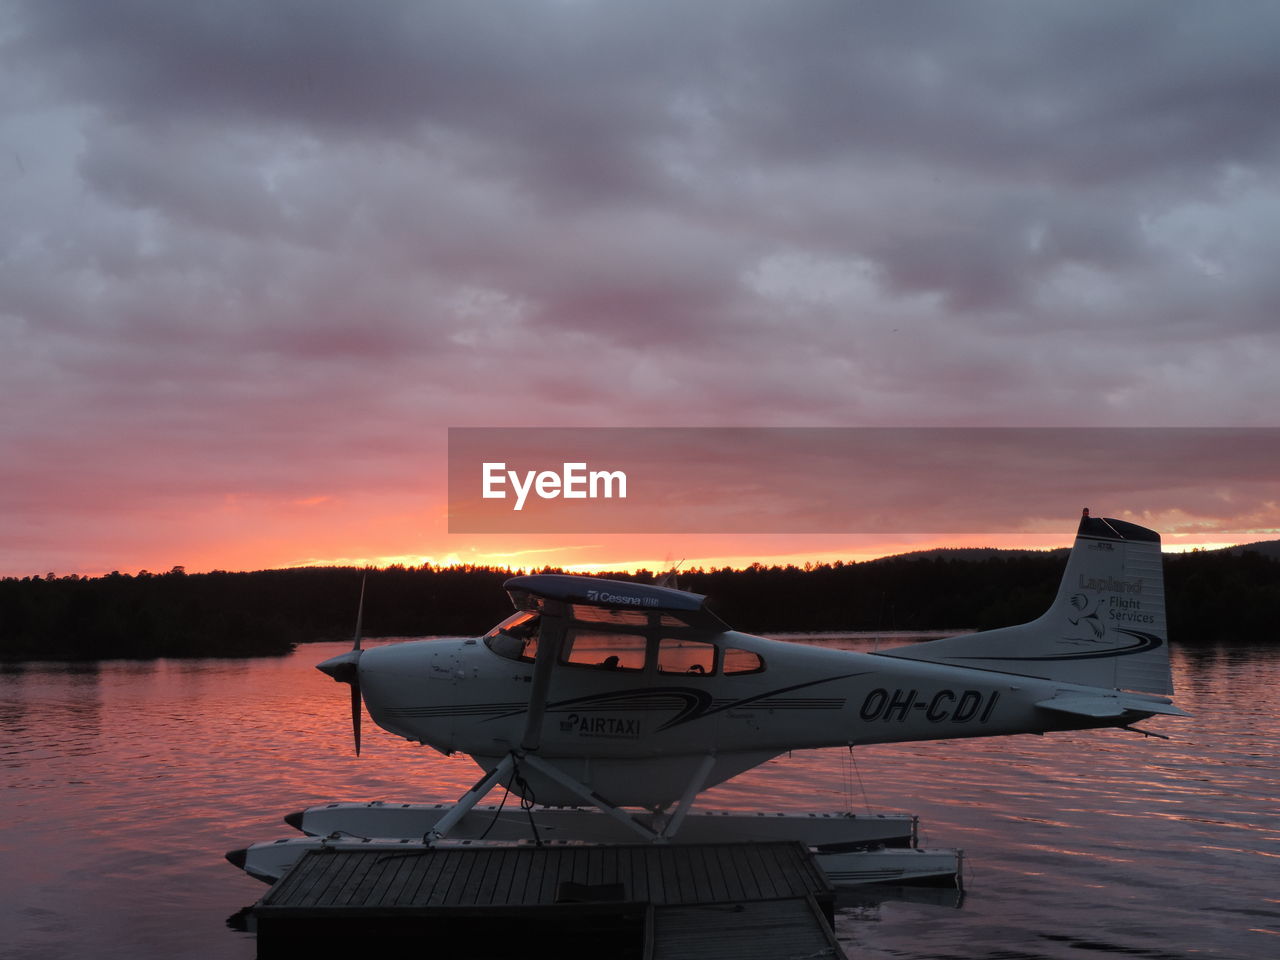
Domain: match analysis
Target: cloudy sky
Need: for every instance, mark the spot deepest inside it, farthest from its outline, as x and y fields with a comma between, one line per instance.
x=256, y=258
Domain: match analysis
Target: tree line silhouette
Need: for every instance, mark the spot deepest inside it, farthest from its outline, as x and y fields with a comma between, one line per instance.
x=1212, y=597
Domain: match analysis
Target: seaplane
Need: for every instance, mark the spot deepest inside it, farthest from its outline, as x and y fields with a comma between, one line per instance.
x=608, y=707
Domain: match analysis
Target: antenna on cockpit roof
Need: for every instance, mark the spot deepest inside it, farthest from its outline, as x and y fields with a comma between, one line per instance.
x=668, y=579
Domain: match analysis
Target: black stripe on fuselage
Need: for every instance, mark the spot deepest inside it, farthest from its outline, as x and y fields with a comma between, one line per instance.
x=692, y=703
x=1146, y=642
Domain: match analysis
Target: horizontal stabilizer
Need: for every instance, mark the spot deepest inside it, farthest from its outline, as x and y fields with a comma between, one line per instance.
x=1098, y=705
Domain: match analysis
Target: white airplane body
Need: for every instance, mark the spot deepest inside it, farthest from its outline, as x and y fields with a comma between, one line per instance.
x=621, y=694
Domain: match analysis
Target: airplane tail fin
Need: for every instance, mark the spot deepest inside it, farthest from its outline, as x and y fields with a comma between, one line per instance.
x=1105, y=628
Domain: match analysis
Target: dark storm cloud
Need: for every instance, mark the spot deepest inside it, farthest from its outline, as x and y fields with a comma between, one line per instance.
x=562, y=91
x=232, y=230
x=1086, y=92
x=590, y=108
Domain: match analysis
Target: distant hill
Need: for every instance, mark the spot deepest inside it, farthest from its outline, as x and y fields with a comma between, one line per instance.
x=1268, y=548
x=1212, y=596
x=973, y=553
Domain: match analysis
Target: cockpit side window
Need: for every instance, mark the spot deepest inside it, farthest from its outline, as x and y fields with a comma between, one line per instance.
x=689, y=657
x=742, y=661
x=516, y=637
x=605, y=651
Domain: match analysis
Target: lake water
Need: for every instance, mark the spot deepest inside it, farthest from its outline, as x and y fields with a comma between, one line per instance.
x=124, y=784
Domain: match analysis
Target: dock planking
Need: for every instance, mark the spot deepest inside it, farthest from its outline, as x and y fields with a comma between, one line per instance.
x=675, y=900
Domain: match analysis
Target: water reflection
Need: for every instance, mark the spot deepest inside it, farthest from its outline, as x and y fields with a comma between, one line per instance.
x=43, y=718
x=125, y=782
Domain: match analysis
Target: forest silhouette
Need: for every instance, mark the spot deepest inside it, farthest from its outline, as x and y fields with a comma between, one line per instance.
x=1212, y=597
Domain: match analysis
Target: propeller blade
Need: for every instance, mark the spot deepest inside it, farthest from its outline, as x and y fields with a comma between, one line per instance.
x=355, y=681
x=345, y=668
x=360, y=612
x=355, y=713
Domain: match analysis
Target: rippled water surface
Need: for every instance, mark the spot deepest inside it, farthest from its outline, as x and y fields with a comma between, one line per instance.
x=124, y=783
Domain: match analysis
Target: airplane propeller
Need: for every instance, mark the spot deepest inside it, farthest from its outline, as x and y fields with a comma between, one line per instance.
x=345, y=668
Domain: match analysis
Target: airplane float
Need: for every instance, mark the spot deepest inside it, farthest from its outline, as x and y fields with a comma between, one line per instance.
x=609, y=706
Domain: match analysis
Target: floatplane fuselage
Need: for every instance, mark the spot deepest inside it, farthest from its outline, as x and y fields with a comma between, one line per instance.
x=644, y=730
x=646, y=683
x=623, y=695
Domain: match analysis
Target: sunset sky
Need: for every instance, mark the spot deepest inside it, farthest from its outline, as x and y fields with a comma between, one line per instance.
x=257, y=258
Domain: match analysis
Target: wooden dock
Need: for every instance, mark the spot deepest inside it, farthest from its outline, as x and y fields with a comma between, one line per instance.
x=741, y=900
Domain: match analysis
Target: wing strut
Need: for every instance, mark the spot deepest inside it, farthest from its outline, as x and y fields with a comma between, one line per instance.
x=471, y=798
x=592, y=798
x=692, y=790
x=550, y=639
x=554, y=626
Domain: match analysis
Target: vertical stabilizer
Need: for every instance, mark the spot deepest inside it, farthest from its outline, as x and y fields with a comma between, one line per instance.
x=1105, y=628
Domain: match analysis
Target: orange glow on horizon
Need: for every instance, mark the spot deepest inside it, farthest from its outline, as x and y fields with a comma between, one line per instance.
x=626, y=560
x=619, y=557
x=320, y=530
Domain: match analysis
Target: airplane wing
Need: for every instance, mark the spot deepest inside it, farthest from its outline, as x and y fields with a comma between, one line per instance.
x=639, y=598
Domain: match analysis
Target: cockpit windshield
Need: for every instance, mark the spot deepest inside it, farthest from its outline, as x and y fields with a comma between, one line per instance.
x=516, y=637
